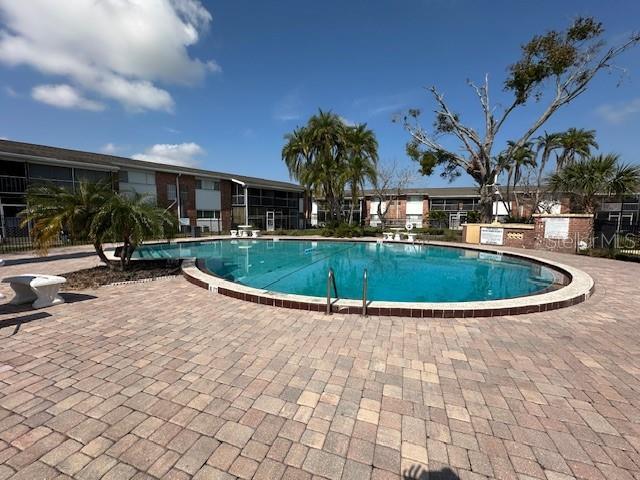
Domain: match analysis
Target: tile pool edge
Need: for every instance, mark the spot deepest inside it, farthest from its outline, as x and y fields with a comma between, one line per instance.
x=579, y=289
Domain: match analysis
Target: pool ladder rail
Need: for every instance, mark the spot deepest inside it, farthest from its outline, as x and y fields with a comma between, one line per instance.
x=331, y=282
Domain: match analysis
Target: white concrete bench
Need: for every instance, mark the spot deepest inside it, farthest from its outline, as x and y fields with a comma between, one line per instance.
x=234, y=233
x=411, y=237
x=255, y=233
x=387, y=235
x=42, y=290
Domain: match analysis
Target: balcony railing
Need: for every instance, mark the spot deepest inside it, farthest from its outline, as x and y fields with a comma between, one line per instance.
x=13, y=184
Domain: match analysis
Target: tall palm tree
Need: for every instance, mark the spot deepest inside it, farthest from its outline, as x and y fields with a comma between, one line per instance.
x=576, y=143
x=316, y=155
x=297, y=152
x=594, y=177
x=362, y=159
x=546, y=144
x=132, y=219
x=53, y=210
x=519, y=160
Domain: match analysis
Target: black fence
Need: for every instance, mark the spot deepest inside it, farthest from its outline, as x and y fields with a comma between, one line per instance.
x=15, y=238
x=620, y=238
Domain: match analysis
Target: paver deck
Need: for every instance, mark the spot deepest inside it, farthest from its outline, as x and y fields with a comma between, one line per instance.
x=165, y=380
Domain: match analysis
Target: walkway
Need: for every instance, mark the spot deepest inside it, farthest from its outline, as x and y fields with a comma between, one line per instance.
x=165, y=380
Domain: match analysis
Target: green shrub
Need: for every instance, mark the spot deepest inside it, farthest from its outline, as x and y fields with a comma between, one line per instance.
x=297, y=233
x=473, y=216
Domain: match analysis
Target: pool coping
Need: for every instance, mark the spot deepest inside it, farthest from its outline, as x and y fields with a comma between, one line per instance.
x=580, y=287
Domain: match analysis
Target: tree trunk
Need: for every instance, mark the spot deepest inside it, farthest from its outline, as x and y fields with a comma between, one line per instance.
x=123, y=255
x=100, y=252
x=486, y=203
x=354, y=194
x=381, y=216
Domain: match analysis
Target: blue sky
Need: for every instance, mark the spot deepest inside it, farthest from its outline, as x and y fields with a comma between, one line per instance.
x=221, y=93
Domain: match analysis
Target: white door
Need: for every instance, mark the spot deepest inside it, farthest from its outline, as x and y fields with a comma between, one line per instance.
x=454, y=221
x=271, y=224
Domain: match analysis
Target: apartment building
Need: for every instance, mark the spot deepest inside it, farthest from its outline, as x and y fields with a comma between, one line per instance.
x=211, y=201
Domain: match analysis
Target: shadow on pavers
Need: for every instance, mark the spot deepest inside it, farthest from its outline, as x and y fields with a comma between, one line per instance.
x=417, y=472
x=48, y=258
x=19, y=321
x=8, y=309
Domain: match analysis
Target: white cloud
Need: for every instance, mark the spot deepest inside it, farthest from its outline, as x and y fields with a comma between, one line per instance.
x=619, y=113
x=117, y=49
x=289, y=107
x=183, y=154
x=110, y=148
x=347, y=122
x=64, y=96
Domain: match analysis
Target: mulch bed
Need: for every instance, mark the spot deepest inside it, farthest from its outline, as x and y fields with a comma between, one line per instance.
x=139, y=270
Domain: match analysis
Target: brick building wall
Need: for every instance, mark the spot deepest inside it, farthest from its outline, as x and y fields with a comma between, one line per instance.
x=187, y=183
x=162, y=180
x=425, y=211
x=397, y=210
x=226, y=189
x=519, y=237
x=580, y=230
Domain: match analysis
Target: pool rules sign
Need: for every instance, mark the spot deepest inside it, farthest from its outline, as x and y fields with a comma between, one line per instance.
x=556, y=228
x=491, y=236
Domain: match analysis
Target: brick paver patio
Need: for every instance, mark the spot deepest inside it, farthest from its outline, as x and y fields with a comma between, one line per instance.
x=165, y=380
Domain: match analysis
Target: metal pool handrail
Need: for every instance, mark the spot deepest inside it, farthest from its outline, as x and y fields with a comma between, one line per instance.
x=331, y=279
x=364, y=293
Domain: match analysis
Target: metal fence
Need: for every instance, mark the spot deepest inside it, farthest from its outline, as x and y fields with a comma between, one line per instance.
x=14, y=238
x=617, y=237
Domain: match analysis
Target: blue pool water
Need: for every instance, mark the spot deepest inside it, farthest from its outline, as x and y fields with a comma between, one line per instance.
x=397, y=272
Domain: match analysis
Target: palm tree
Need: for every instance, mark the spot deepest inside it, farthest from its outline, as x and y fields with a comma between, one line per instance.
x=362, y=159
x=545, y=145
x=589, y=179
x=297, y=152
x=132, y=219
x=521, y=158
x=315, y=156
x=576, y=143
x=53, y=210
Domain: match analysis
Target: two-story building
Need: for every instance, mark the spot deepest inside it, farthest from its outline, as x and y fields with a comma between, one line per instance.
x=213, y=201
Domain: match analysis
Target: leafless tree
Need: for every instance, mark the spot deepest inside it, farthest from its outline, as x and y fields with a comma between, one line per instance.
x=559, y=64
x=391, y=180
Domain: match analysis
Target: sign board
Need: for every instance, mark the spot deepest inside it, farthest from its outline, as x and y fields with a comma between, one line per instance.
x=556, y=228
x=491, y=236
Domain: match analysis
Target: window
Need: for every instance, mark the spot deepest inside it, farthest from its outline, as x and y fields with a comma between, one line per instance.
x=215, y=214
x=91, y=175
x=137, y=176
x=50, y=172
x=172, y=194
x=203, y=184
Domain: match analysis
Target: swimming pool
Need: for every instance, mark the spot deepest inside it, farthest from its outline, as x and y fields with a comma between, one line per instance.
x=396, y=272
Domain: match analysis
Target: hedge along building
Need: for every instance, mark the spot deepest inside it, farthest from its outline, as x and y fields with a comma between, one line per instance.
x=213, y=201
